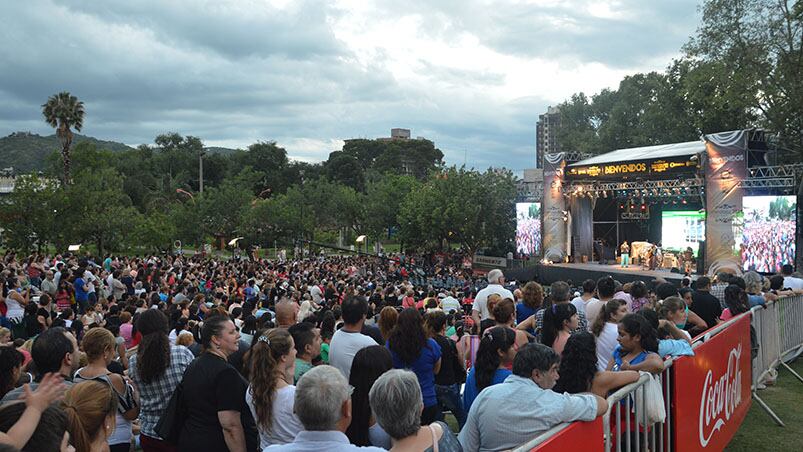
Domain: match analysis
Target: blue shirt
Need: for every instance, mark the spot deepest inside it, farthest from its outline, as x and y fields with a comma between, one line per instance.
x=424, y=369
x=470, y=391
x=674, y=347
x=617, y=358
x=523, y=312
x=756, y=300
x=80, y=293
x=308, y=441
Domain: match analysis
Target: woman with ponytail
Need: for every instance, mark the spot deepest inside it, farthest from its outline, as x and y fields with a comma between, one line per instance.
x=271, y=394
x=213, y=395
x=156, y=370
x=560, y=320
x=494, y=356
x=605, y=329
x=90, y=407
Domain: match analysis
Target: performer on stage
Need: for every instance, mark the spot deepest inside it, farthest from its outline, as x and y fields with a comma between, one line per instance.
x=624, y=250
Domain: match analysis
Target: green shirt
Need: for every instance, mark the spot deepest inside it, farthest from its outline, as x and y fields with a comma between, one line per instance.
x=302, y=367
x=325, y=353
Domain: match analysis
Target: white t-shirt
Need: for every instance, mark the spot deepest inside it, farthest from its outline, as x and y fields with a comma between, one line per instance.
x=593, y=308
x=15, y=310
x=581, y=304
x=344, y=346
x=317, y=294
x=450, y=304
x=481, y=300
x=285, y=425
x=606, y=344
x=790, y=282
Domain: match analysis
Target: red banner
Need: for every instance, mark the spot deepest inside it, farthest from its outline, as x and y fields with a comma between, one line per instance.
x=585, y=436
x=712, y=390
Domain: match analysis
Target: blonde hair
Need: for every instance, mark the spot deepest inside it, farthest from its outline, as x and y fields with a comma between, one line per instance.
x=96, y=342
x=185, y=340
x=90, y=406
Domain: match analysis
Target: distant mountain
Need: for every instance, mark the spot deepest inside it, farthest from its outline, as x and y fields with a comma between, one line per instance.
x=26, y=151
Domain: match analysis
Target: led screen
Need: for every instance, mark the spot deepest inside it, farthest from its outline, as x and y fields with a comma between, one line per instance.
x=528, y=228
x=682, y=229
x=768, y=233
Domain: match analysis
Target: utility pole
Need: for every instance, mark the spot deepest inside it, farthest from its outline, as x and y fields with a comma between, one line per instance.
x=201, y=172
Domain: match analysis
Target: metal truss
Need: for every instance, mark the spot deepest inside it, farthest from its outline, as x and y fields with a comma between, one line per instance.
x=650, y=185
x=782, y=176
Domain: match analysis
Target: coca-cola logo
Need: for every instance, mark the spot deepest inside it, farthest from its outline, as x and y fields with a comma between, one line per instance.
x=720, y=397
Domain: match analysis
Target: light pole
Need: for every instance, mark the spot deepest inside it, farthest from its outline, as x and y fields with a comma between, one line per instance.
x=201, y=172
x=301, y=173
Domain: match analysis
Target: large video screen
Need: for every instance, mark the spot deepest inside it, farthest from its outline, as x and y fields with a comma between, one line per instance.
x=768, y=234
x=528, y=228
x=682, y=229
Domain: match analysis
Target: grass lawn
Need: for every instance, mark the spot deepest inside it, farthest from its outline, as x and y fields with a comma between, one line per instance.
x=759, y=432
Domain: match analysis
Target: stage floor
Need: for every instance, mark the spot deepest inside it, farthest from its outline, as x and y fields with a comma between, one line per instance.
x=577, y=273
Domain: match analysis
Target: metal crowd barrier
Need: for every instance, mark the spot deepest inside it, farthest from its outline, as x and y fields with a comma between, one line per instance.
x=779, y=332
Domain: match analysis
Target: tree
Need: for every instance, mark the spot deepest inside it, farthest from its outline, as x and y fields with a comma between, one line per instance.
x=98, y=211
x=471, y=208
x=64, y=112
x=383, y=199
x=345, y=169
x=756, y=46
x=30, y=214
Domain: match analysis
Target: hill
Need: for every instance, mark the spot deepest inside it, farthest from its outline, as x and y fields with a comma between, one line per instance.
x=26, y=151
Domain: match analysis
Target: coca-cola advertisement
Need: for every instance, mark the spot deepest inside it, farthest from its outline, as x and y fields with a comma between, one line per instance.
x=712, y=390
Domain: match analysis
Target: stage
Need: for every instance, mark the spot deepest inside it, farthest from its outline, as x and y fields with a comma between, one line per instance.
x=577, y=273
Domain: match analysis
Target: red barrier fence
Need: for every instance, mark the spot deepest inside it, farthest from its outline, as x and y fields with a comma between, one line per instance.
x=712, y=391
x=707, y=396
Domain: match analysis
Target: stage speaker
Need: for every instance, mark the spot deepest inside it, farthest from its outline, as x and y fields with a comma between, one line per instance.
x=701, y=258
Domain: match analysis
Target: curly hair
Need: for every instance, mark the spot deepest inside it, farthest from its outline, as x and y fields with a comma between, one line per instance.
x=553, y=321
x=736, y=300
x=578, y=364
x=264, y=371
x=153, y=353
x=494, y=340
x=408, y=338
x=533, y=295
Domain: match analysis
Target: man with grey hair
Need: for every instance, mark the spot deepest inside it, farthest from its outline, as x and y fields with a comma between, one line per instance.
x=522, y=407
x=323, y=405
x=496, y=281
x=396, y=402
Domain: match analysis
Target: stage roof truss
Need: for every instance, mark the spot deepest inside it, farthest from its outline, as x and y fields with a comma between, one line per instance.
x=782, y=176
x=530, y=191
x=650, y=186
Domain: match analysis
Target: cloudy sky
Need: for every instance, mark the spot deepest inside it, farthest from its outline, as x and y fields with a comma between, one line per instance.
x=472, y=76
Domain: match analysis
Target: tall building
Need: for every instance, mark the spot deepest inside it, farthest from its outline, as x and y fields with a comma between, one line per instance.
x=546, y=135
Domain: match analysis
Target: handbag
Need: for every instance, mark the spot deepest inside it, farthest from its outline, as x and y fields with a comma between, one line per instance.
x=651, y=400
x=172, y=420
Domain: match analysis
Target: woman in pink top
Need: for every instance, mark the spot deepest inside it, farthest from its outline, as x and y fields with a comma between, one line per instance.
x=125, y=328
x=736, y=302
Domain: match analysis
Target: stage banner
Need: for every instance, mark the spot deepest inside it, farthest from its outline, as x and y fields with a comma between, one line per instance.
x=582, y=227
x=554, y=230
x=585, y=436
x=725, y=169
x=712, y=396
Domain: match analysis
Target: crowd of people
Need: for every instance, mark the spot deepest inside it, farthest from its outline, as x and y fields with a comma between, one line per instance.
x=196, y=353
x=767, y=244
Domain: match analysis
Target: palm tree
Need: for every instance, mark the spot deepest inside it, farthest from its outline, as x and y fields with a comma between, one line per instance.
x=64, y=111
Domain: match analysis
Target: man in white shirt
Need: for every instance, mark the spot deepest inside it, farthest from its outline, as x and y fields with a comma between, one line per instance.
x=789, y=281
x=589, y=287
x=348, y=340
x=496, y=280
x=448, y=302
x=316, y=292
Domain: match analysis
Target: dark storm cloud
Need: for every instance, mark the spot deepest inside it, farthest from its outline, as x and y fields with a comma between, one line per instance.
x=240, y=71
